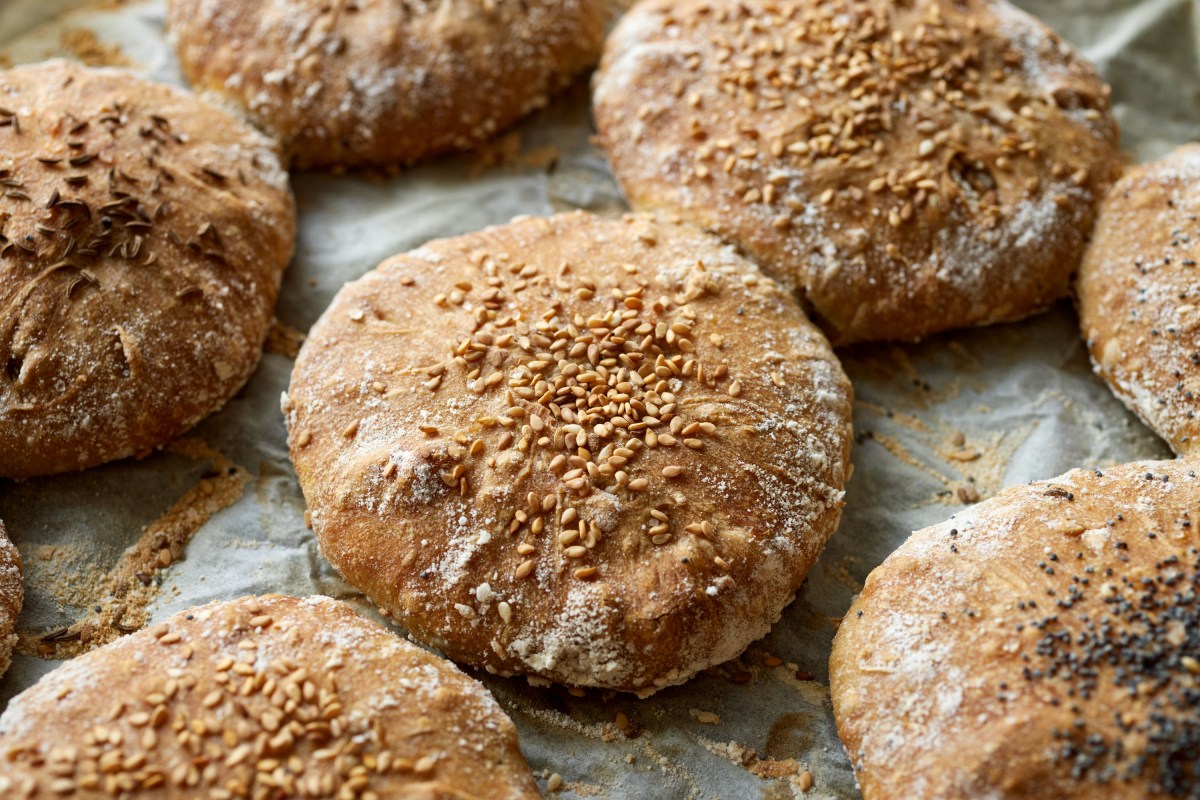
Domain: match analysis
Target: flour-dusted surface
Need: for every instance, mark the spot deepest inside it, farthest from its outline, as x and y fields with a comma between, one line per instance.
x=957, y=417
x=1038, y=644
x=380, y=82
x=1138, y=299
x=268, y=693
x=12, y=596
x=600, y=452
x=907, y=168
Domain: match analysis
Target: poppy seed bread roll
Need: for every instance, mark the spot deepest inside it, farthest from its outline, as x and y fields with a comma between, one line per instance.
x=1043, y=643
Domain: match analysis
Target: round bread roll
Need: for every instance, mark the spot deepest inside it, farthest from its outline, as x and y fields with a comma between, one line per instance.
x=353, y=83
x=143, y=235
x=12, y=597
x=1138, y=295
x=1044, y=643
x=907, y=168
x=604, y=453
x=261, y=697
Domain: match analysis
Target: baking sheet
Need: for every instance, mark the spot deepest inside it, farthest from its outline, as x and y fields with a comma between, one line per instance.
x=938, y=424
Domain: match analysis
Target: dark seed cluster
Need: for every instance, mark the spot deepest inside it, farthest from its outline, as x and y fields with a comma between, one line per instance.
x=1136, y=632
x=67, y=230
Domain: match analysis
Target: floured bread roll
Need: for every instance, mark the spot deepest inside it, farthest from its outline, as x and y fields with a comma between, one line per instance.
x=12, y=597
x=1139, y=304
x=604, y=453
x=907, y=168
x=353, y=83
x=261, y=697
x=143, y=236
x=1044, y=643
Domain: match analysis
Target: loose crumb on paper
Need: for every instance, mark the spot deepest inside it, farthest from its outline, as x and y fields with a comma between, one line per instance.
x=283, y=340
x=87, y=47
x=117, y=601
x=789, y=769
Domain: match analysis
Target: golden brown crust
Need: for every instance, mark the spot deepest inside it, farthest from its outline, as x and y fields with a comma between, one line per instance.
x=143, y=235
x=1045, y=643
x=1138, y=295
x=906, y=167
x=381, y=82
x=12, y=597
x=537, y=486
x=260, y=697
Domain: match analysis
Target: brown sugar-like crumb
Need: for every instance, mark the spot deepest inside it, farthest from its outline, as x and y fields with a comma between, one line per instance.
x=118, y=600
x=764, y=767
x=87, y=47
x=283, y=340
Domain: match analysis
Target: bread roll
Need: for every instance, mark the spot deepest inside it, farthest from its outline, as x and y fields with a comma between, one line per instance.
x=1138, y=298
x=907, y=168
x=12, y=597
x=1044, y=643
x=356, y=83
x=603, y=453
x=143, y=235
x=261, y=697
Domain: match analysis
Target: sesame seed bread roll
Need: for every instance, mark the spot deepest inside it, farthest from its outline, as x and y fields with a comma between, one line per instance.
x=261, y=697
x=1138, y=295
x=602, y=453
x=907, y=168
x=12, y=597
x=358, y=83
x=143, y=235
x=1044, y=643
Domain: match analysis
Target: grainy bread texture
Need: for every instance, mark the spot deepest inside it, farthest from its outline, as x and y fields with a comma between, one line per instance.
x=379, y=82
x=605, y=453
x=12, y=597
x=143, y=235
x=1044, y=643
x=261, y=697
x=1138, y=295
x=907, y=168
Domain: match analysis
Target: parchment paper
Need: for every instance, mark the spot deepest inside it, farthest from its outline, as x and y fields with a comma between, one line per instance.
x=1020, y=396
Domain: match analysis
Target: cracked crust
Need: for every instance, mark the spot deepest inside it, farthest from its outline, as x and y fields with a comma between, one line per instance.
x=143, y=235
x=1043, y=643
x=383, y=82
x=1138, y=304
x=534, y=485
x=260, y=697
x=906, y=168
